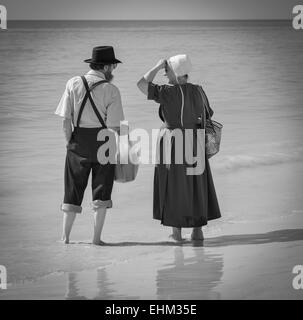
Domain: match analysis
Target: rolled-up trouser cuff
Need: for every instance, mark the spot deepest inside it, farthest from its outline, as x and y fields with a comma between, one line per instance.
x=66, y=207
x=96, y=204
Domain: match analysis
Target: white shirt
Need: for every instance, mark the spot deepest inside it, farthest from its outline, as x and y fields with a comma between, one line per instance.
x=106, y=97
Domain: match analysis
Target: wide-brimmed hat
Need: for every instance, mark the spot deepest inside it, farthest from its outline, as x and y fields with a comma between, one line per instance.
x=180, y=64
x=103, y=55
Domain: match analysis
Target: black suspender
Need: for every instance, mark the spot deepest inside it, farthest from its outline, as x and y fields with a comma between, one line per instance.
x=88, y=96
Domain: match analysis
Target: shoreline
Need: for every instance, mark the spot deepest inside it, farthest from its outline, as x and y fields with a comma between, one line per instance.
x=225, y=266
x=39, y=266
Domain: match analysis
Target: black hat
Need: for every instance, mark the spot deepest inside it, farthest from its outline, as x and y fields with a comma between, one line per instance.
x=103, y=55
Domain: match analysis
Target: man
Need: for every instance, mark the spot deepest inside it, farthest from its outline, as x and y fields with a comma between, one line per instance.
x=89, y=104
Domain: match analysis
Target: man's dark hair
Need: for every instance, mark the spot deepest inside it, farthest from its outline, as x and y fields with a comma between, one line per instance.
x=97, y=66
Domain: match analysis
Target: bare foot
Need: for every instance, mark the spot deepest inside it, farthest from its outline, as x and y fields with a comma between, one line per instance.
x=197, y=234
x=98, y=243
x=65, y=240
x=176, y=235
x=173, y=237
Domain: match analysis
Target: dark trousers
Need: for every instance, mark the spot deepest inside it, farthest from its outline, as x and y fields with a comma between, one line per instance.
x=81, y=159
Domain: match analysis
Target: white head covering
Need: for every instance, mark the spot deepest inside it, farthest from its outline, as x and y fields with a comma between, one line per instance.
x=180, y=64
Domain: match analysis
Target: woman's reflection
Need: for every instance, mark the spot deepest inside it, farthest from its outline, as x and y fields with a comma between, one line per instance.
x=191, y=278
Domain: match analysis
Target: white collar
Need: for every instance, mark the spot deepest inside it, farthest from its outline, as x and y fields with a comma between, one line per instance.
x=96, y=73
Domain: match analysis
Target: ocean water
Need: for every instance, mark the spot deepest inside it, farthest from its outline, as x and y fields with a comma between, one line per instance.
x=251, y=72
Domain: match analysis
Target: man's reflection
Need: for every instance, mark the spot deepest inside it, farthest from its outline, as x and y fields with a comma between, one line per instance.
x=72, y=290
x=104, y=286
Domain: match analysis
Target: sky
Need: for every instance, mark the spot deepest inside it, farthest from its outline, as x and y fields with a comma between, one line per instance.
x=148, y=9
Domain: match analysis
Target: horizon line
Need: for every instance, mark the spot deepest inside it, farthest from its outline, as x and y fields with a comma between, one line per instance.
x=250, y=19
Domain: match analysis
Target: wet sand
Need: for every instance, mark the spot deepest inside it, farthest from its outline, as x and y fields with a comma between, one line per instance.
x=247, y=254
x=249, y=261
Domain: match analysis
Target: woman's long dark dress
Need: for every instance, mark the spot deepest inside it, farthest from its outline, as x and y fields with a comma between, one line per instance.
x=181, y=200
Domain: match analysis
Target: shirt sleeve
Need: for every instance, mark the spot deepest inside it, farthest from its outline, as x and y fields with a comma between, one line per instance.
x=115, y=112
x=64, y=108
x=158, y=93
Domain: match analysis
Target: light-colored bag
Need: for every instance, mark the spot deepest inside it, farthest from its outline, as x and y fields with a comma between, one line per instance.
x=126, y=172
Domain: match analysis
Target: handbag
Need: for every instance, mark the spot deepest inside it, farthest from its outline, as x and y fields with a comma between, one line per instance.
x=126, y=172
x=213, y=129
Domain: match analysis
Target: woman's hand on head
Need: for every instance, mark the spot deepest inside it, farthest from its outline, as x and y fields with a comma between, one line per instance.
x=161, y=64
x=149, y=76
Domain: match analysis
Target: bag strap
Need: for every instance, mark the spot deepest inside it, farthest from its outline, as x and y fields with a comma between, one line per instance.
x=205, y=101
x=88, y=96
x=206, y=111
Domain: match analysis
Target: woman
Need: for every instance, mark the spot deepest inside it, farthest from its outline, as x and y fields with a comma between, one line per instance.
x=180, y=200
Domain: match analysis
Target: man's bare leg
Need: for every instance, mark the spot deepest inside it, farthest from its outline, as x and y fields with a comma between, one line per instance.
x=68, y=220
x=176, y=235
x=197, y=234
x=99, y=218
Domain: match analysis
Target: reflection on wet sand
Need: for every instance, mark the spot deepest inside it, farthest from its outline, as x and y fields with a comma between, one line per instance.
x=175, y=273
x=184, y=271
x=72, y=290
x=104, y=287
x=105, y=291
x=190, y=278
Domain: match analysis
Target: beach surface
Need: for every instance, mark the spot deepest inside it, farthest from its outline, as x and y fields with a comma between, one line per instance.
x=235, y=265
x=247, y=257
x=252, y=74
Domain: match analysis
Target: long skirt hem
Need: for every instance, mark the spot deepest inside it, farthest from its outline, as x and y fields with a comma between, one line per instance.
x=184, y=201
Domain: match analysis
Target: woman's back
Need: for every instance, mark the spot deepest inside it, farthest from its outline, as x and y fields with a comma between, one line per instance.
x=170, y=98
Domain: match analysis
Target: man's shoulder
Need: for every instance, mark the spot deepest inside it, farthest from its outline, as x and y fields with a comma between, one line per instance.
x=112, y=88
x=73, y=81
x=76, y=81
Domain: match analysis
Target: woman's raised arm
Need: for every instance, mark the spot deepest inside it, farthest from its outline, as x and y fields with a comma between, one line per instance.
x=149, y=76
